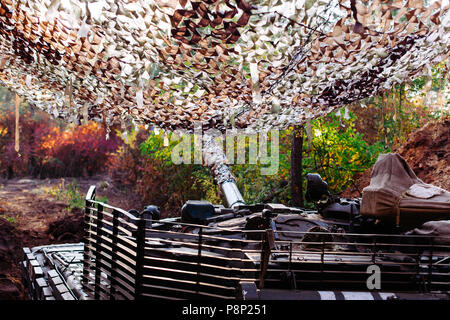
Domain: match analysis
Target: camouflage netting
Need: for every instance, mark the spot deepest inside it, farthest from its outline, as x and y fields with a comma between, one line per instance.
x=255, y=64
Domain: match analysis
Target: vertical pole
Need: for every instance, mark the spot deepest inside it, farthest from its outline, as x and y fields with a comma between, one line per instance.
x=199, y=257
x=98, y=249
x=262, y=261
x=265, y=255
x=140, y=250
x=296, y=167
x=322, y=261
x=351, y=214
x=87, y=234
x=17, y=144
x=422, y=284
x=290, y=255
x=115, y=231
x=430, y=264
x=384, y=103
x=292, y=273
x=374, y=248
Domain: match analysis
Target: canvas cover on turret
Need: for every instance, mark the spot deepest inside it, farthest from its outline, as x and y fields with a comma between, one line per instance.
x=396, y=195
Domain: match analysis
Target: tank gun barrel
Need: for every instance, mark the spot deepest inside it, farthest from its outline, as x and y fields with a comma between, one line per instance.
x=216, y=161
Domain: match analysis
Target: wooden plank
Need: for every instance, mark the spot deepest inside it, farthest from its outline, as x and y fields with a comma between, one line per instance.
x=125, y=262
x=123, y=224
x=202, y=276
x=178, y=283
x=130, y=243
x=186, y=255
x=217, y=271
x=101, y=293
x=121, y=248
x=123, y=285
x=125, y=270
x=121, y=211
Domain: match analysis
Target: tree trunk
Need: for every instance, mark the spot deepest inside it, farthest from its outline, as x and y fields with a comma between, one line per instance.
x=296, y=167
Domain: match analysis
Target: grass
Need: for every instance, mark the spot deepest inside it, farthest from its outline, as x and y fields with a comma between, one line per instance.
x=103, y=199
x=10, y=219
x=71, y=194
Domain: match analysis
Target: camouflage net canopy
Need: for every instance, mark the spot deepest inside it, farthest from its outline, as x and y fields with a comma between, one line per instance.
x=254, y=64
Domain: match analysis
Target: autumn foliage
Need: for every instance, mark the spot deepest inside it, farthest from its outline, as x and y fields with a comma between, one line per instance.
x=79, y=151
x=50, y=150
x=142, y=164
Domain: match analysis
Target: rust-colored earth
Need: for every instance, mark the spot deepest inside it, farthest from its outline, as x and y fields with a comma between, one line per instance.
x=30, y=217
x=427, y=152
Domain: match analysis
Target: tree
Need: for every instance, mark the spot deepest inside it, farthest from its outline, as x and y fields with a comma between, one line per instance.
x=296, y=167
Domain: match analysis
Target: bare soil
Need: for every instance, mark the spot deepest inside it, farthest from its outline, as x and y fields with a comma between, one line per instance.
x=30, y=217
x=427, y=151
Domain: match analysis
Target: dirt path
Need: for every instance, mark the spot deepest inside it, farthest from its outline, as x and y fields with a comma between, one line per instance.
x=30, y=216
x=28, y=208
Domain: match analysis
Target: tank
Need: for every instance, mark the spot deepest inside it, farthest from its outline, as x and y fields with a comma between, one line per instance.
x=241, y=251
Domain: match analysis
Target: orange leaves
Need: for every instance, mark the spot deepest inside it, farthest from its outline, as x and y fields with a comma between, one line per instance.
x=77, y=149
x=3, y=131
